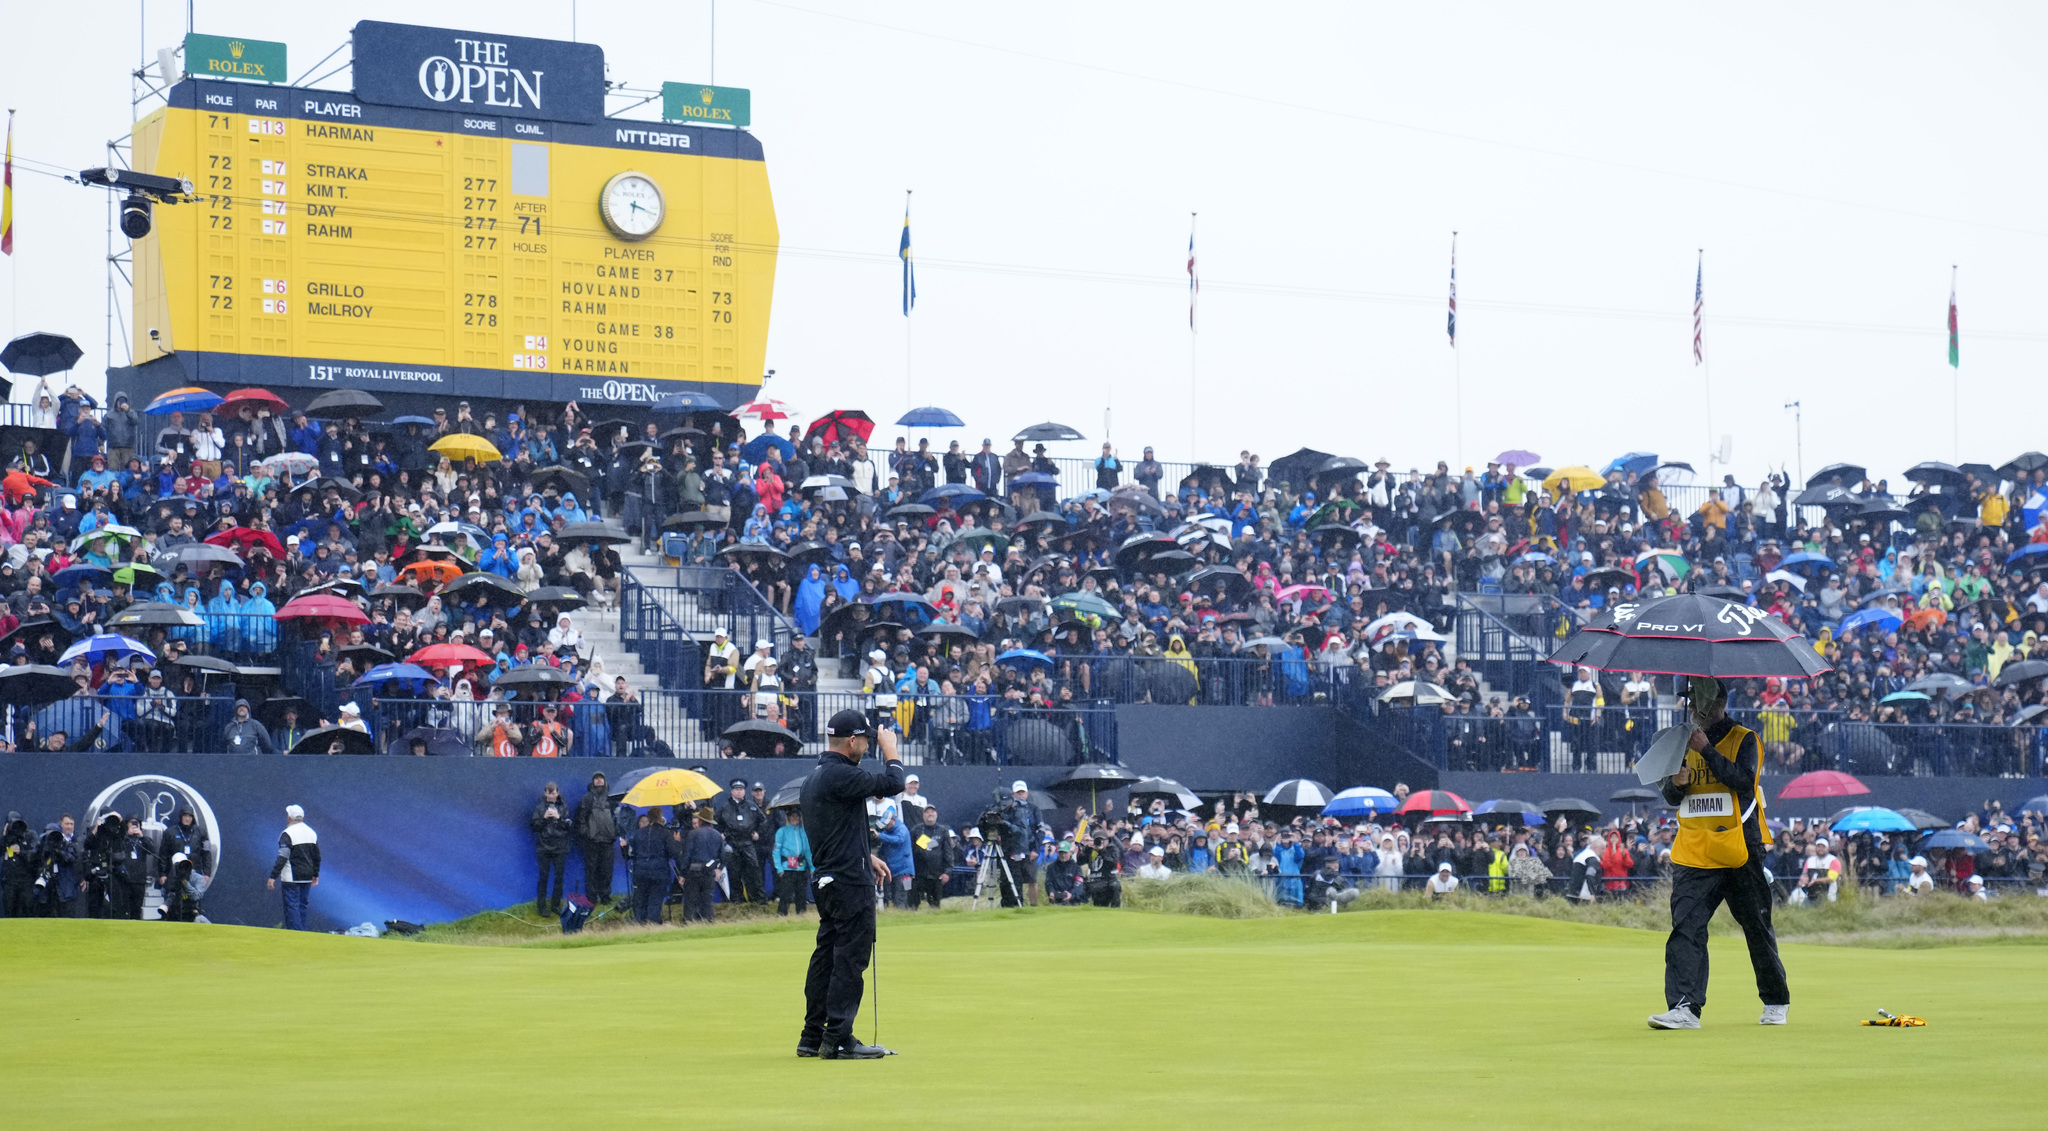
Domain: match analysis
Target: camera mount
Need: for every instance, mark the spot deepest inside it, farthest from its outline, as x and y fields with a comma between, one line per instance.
x=143, y=189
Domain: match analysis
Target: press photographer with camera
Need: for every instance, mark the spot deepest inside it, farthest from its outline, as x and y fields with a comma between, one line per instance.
x=835, y=813
x=1020, y=843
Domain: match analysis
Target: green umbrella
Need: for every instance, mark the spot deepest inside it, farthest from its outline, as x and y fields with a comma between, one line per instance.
x=138, y=574
x=1087, y=604
x=976, y=539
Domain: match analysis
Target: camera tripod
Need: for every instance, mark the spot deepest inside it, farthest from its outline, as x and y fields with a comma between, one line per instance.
x=995, y=873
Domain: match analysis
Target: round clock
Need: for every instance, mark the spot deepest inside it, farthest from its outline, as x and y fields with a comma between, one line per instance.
x=631, y=205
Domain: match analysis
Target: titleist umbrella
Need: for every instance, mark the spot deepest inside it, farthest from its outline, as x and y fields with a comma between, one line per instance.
x=1691, y=634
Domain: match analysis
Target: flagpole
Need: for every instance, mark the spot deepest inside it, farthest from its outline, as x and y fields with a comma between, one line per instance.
x=1193, y=290
x=1706, y=363
x=1955, y=365
x=908, y=402
x=1457, y=362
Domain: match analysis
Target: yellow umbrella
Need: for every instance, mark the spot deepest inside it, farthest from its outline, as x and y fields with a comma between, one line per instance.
x=670, y=787
x=462, y=445
x=1576, y=478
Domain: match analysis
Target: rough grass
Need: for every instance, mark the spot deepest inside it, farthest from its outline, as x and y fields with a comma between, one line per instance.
x=1214, y=896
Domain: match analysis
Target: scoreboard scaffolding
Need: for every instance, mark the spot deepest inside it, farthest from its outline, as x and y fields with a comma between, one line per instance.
x=465, y=223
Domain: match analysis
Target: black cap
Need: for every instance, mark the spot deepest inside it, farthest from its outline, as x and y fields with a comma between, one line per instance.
x=740, y=783
x=849, y=724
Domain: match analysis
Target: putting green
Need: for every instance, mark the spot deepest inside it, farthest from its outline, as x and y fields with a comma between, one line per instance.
x=1013, y=1019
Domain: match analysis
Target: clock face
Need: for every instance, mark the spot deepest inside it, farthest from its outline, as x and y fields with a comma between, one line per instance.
x=632, y=206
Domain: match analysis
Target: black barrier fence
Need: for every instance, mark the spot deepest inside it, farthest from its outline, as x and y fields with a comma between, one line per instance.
x=1608, y=740
x=937, y=730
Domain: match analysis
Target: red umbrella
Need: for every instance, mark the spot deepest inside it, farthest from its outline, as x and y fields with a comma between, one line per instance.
x=765, y=409
x=841, y=423
x=1822, y=783
x=254, y=398
x=1436, y=803
x=243, y=539
x=323, y=606
x=439, y=656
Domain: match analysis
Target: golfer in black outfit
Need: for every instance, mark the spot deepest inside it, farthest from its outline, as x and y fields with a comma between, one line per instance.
x=835, y=813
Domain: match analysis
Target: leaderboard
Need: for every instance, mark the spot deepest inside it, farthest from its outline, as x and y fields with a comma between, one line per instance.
x=472, y=251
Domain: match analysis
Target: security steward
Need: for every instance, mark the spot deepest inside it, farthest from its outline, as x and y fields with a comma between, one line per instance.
x=835, y=814
x=1718, y=856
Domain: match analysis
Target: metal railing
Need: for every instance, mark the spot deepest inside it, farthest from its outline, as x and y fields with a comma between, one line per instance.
x=1509, y=638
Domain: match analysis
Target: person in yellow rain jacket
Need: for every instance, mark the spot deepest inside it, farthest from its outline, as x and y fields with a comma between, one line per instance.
x=1718, y=858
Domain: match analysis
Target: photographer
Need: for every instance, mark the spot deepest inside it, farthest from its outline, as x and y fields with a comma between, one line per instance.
x=1063, y=885
x=553, y=829
x=133, y=864
x=835, y=814
x=1020, y=841
x=1100, y=882
x=57, y=869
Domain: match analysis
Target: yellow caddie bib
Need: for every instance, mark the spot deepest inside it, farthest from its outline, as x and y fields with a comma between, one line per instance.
x=1709, y=819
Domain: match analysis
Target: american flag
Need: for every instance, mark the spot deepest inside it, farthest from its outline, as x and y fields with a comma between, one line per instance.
x=1194, y=281
x=1452, y=326
x=1699, y=348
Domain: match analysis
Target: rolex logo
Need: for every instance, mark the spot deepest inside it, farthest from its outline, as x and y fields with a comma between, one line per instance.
x=235, y=48
x=706, y=95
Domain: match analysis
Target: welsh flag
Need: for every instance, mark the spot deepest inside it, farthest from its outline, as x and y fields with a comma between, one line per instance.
x=1955, y=350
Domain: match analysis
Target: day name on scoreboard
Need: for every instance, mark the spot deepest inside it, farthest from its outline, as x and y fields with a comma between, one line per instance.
x=482, y=241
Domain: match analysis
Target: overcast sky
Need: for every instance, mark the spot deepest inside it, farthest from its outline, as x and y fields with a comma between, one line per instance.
x=1834, y=160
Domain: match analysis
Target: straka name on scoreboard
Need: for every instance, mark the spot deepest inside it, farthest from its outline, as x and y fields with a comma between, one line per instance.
x=436, y=68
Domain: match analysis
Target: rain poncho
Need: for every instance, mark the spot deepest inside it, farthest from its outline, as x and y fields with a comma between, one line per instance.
x=187, y=633
x=224, y=618
x=258, y=621
x=845, y=584
x=810, y=597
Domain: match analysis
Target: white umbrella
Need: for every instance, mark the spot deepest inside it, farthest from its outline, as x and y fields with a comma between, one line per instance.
x=1422, y=691
x=1392, y=622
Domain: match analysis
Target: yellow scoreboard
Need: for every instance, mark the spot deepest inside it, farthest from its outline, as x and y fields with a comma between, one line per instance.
x=467, y=246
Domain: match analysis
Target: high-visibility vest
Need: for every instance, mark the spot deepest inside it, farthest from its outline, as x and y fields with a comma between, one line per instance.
x=501, y=743
x=1710, y=819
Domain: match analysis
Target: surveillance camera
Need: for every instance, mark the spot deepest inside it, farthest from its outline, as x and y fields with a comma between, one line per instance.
x=153, y=335
x=135, y=216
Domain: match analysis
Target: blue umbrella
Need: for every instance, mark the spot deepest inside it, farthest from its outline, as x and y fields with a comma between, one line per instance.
x=1526, y=813
x=911, y=609
x=1024, y=656
x=1637, y=462
x=1034, y=479
x=930, y=416
x=1808, y=564
x=1955, y=838
x=428, y=421
x=1095, y=493
x=1361, y=801
x=1874, y=819
x=2028, y=554
x=1885, y=620
x=412, y=674
x=1906, y=697
x=757, y=448
x=191, y=398
x=960, y=492
x=105, y=646
x=1535, y=556
x=75, y=576
x=688, y=402
x=2036, y=805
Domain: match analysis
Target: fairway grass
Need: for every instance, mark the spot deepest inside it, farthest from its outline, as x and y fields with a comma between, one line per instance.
x=1027, y=1018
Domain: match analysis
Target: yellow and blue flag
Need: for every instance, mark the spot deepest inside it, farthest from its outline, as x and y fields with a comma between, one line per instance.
x=909, y=271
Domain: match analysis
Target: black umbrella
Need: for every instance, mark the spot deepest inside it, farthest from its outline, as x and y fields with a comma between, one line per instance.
x=592, y=532
x=1338, y=467
x=40, y=354
x=1985, y=473
x=1569, y=806
x=1047, y=432
x=1169, y=682
x=692, y=520
x=336, y=484
x=1020, y=606
x=1691, y=634
x=849, y=618
x=1299, y=793
x=1051, y=519
x=35, y=627
x=406, y=595
x=1828, y=495
x=2023, y=464
x=810, y=553
x=196, y=553
x=1725, y=592
x=366, y=656
x=28, y=684
x=440, y=743
x=943, y=628
x=1922, y=819
x=271, y=711
x=1938, y=474
x=1601, y=580
x=1879, y=509
x=564, y=479
x=533, y=675
x=480, y=580
x=2020, y=672
x=1138, y=500
x=1181, y=796
x=1173, y=563
x=1637, y=794
x=1941, y=681
x=561, y=597
x=910, y=510
x=1336, y=535
x=1233, y=580
x=1139, y=547
x=345, y=402
x=1848, y=474
x=1093, y=776
x=790, y=796
x=763, y=739
x=321, y=741
x=155, y=612
x=1295, y=467
x=751, y=550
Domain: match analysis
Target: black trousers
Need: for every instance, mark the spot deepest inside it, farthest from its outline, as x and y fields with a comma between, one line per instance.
x=555, y=865
x=647, y=898
x=1695, y=894
x=846, y=940
x=925, y=889
x=699, y=882
x=743, y=874
x=127, y=899
x=597, y=869
x=790, y=890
